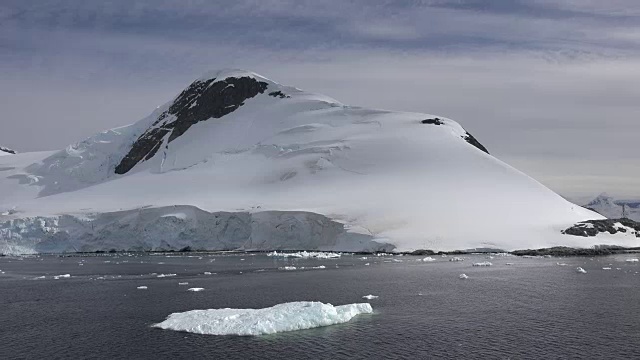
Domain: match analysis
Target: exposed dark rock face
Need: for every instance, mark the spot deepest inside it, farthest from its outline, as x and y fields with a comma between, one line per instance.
x=594, y=227
x=7, y=150
x=201, y=101
x=568, y=251
x=279, y=94
x=471, y=140
x=434, y=121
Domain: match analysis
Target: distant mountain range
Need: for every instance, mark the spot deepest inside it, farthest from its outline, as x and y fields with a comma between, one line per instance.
x=612, y=208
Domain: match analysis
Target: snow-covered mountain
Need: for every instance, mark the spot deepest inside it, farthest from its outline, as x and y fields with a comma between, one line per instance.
x=6, y=151
x=612, y=208
x=239, y=161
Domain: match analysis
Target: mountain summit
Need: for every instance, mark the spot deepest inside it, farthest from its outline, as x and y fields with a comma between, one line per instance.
x=238, y=161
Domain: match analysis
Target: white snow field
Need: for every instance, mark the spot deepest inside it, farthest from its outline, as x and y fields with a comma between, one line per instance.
x=283, y=169
x=279, y=318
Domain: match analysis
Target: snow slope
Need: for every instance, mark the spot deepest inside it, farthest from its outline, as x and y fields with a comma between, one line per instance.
x=236, y=142
x=291, y=316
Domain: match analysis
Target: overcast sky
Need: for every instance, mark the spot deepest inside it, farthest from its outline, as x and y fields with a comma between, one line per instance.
x=552, y=87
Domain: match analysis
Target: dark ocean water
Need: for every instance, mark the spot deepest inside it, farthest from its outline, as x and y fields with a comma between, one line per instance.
x=533, y=308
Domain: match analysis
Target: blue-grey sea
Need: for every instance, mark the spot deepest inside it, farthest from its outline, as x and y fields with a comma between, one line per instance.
x=518, y=308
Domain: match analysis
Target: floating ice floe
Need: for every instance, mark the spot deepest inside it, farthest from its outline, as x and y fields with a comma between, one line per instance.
x=632, y=260
x=306, y=254
x=455, y=258
x=141, y=288
x=427, y=259
x=183, y=283
x=166, y=275
x=370, y=297
x=279, y=318
x=581, y=270
x=484, y=263
x=62, y=276
x=463, y=276
x=195, y=289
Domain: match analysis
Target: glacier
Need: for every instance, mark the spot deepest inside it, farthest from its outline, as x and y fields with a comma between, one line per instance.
x=279, y=318
x=264, y=166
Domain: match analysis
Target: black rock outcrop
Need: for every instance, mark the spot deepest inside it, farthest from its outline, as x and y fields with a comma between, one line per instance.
x=279, y=94
x=434, y=121
x=7, y=150
x=594, y=227
x=202, y=100
x=471, y=140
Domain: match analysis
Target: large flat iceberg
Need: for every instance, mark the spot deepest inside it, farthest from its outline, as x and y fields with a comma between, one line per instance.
x=291, y=316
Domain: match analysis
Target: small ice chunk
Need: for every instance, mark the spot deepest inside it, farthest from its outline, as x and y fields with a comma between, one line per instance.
x=166, y=275
x=288, y=268
x=455, y=258
x=141, y=288
x=40, y=277
x=484, y=263
x=606, y=268
x=306, y=254
x=62, y=276
x=427, y=259
x=279, y=318
x=561, y=264
x=367, y=264
x=581, y=270
x=319, y=267
x=632, y=260
x=463, y=276
x=370, y=297
x=183, y=283
x=195, y=289
x=207, y=273
x=509, y=264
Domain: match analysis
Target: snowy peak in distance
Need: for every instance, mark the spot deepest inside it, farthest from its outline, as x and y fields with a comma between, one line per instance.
x=612, y=208
x=6, y=151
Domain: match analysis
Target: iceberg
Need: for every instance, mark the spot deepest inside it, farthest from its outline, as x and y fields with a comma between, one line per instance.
x=290, y=316
x=427, y=259
x=166, y=275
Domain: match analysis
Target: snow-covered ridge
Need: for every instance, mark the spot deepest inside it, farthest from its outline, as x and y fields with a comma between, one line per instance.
x=291, y=316
x=237, y=143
